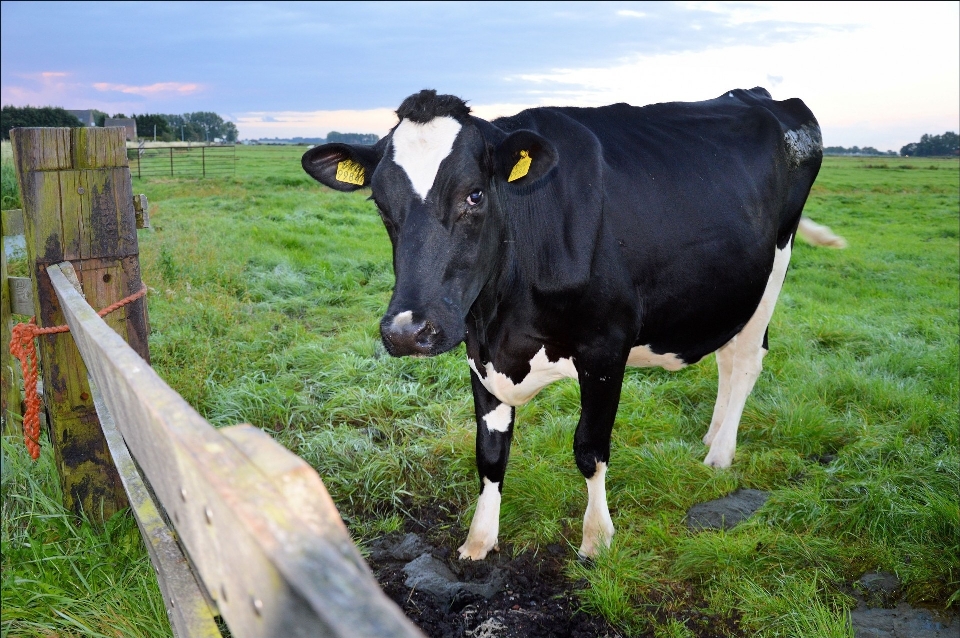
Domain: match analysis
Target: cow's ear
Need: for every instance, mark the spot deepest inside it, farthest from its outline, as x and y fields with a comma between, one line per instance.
x=524, y=157
x=344, y=167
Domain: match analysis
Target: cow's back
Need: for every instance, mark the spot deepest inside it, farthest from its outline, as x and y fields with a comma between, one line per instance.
x=695, y=198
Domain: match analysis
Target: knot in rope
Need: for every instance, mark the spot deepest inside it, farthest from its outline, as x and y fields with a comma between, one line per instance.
x=23, y=348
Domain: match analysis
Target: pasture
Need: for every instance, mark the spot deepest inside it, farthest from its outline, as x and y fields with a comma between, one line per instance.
x=265, y=295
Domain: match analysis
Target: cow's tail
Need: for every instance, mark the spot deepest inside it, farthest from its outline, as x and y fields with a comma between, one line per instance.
x=819, y=235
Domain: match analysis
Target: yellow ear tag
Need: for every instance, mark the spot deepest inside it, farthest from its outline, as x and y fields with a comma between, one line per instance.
x=521, y=168
x=350, y=172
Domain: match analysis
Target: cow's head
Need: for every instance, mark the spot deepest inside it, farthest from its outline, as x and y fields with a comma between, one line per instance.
x=436, y=180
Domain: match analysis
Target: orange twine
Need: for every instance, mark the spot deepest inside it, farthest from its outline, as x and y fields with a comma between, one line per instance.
x=22, y=347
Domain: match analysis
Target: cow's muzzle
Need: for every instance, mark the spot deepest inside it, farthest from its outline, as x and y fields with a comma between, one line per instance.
x=403, y=335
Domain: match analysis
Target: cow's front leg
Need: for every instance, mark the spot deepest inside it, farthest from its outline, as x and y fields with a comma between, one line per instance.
x=494, y=432
x=599, y=397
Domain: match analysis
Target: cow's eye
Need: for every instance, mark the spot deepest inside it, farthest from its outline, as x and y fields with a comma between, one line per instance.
x=474, y=198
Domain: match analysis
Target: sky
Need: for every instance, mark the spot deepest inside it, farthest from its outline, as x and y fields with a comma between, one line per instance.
x=875, y=74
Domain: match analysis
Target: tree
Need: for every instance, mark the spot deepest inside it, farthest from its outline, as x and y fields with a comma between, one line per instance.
x=99, y=117
x=148, y=125
x=20, y=116
x=930, y=145
x=230, y=132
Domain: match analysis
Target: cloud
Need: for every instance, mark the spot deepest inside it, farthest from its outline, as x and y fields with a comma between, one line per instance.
x=257, y=124
x=861, y=93
x=157, y=88
x=629, y=13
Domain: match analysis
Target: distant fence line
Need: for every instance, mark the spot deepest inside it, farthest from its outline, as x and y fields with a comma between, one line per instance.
x=183, y=161
x=203, y=160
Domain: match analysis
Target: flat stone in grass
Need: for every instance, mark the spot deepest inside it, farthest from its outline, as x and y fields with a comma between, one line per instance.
x=903, y=622
x=726, y=512
x=406, y=549
x=431, y=575
x=879, y=589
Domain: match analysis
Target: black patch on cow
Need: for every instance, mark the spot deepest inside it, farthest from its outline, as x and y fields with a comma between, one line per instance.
x=424, y=106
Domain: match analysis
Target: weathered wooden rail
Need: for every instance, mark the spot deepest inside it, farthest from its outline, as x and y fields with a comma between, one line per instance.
x=235, y=524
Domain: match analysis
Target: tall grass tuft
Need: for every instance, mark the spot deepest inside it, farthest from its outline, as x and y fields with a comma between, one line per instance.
x=67, y=577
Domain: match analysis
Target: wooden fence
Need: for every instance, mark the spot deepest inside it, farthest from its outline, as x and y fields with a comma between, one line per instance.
x=235, y=524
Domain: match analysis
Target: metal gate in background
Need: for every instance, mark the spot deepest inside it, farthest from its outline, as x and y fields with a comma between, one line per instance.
x=199, y=160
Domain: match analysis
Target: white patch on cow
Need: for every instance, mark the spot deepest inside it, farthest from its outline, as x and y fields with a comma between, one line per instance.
x=485, y=526
x=543, y=372
x=747, y=361
x=644, y=357
x=803, y=142
x=597, y=526
x=420, y=148
x=498, y=419
x=402, y=319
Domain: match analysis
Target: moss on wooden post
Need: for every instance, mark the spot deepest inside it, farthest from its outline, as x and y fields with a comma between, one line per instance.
x=78, y=207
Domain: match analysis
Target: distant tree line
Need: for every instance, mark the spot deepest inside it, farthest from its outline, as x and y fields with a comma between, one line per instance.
x=855, y=150
x=333, y=136
x=352, y=138
x=201, y=126
x=21, y=116
x=929, y=145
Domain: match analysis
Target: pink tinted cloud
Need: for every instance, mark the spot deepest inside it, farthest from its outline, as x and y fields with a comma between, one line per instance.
x=180, y=88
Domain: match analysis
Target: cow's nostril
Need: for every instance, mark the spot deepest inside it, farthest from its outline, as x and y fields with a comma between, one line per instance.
x=427, y=334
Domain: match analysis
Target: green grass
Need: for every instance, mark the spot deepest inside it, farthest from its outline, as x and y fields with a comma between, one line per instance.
x=266, y=293
x=63, y=576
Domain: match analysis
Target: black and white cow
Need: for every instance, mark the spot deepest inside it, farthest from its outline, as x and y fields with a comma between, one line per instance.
x=572, y=242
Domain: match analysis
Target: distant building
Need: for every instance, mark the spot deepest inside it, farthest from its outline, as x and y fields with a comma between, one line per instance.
x=86, y=117
x=126, y=122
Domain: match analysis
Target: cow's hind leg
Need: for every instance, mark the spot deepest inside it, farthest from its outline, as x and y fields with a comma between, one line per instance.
x=748, y=349
x=599, y=397
x=494, y=432
x=725, y=374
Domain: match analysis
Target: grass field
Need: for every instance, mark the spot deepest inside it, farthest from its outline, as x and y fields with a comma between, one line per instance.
x=265, y=295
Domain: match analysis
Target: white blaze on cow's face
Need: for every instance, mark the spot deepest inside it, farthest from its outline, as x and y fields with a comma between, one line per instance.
x=419, y=149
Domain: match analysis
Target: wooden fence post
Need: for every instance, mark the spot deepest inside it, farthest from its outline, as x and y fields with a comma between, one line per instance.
x=78, y=207
x=12, y=222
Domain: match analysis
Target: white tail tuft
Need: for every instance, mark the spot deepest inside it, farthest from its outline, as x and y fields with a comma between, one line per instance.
x=819, y=235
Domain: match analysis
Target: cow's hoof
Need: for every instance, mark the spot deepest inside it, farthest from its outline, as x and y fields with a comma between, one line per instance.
x=586, y=561
x=716, y=458
x=593, y=544
x=476, y=551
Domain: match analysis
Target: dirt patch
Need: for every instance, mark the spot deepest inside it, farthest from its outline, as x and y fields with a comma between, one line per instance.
x=524, y=596
x=509, y=594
